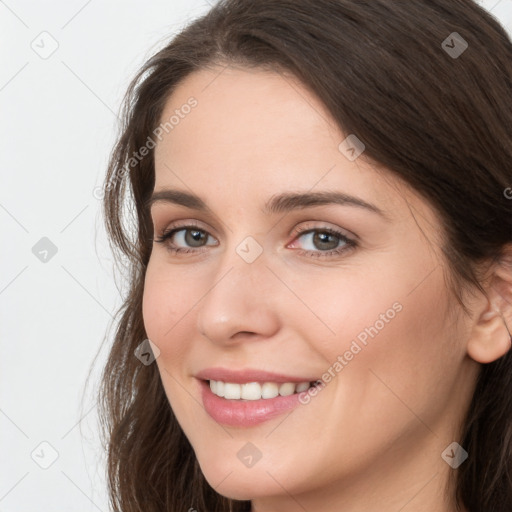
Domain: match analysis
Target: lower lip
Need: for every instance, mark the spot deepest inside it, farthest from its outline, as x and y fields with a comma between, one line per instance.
x=245, y=413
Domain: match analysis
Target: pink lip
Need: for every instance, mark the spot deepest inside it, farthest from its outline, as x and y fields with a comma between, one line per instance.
x=246, y=413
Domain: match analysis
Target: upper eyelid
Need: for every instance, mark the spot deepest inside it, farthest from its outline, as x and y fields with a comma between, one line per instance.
x=324, y=225
x=154, y=218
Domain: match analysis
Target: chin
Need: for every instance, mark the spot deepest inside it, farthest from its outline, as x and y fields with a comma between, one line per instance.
x=240, y=483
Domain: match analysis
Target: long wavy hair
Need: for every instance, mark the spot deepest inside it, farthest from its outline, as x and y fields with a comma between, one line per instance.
x=439, y=119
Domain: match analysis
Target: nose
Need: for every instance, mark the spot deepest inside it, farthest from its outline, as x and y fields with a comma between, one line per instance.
x=241, y=302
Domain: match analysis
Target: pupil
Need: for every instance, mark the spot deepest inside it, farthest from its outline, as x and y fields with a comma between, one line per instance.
x=196, y=236
x=322, y=238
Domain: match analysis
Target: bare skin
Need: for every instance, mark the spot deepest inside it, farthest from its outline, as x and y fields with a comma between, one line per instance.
x=372, y=439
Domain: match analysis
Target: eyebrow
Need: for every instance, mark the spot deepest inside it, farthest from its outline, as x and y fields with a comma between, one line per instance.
x=281, y=203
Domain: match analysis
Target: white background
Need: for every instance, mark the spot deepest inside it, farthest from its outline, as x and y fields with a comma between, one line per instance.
x=57, y=126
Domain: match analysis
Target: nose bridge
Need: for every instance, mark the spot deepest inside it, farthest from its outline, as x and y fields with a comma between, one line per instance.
x=236, y=300
x=244, y=263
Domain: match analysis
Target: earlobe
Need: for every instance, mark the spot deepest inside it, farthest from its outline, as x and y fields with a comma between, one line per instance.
x=490, y=338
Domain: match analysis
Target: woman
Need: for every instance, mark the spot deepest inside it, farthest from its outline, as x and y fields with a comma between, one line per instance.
x=320, y=254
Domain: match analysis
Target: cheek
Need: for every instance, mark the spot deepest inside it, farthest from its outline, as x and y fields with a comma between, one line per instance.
x=411, y=359
x=379, y=331
x=165, y=319
x=154, y=303
x=162, y=306
x=169, y=308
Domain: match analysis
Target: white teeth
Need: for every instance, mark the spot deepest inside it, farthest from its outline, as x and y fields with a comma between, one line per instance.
x=251, y=391
x=255, y=390
x=232, y=391
x=220, y=388
x=299, y=389
x=269, y=390
x=286, y=389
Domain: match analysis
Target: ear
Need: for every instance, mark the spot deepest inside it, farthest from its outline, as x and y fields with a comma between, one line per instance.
x=491, y=334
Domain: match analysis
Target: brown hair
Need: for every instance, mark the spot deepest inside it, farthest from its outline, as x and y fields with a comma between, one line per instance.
x=439, y=121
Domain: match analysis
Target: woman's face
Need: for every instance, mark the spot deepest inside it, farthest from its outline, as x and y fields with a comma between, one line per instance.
x=276, y=276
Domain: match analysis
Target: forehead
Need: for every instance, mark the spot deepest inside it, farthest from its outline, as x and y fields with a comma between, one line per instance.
x=246, y=110
x=261, y=132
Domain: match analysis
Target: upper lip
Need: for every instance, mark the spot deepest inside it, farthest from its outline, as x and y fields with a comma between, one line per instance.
x=248, y=375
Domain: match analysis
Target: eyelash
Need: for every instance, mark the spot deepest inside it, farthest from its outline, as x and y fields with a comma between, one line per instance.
x=166, y=235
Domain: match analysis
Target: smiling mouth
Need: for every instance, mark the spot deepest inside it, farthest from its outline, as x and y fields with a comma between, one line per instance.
x=257, y=390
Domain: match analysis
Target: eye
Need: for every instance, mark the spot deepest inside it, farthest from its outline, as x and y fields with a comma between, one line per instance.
x=191, y=235
x=320, y=242
x=323, y=242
